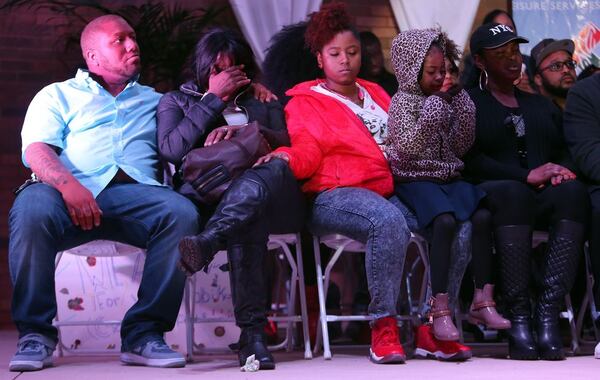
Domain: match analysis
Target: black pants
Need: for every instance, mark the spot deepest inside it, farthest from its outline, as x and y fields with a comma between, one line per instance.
x=516, y=203
x=285, y=210
x=444, y=228
x=282, y=212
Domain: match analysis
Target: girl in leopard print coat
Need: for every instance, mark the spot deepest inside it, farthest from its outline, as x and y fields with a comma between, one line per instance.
x=429, y=132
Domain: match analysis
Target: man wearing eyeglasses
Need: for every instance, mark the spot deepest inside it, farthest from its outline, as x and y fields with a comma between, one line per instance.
x=554, y=68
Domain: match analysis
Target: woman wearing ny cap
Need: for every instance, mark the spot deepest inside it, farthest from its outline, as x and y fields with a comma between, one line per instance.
x=520, y=159
x=469, y=73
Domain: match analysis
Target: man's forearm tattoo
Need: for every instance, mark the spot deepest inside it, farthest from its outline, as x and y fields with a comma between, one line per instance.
x=46, y=165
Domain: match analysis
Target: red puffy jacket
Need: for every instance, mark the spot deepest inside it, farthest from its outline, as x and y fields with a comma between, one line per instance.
x=331, y=147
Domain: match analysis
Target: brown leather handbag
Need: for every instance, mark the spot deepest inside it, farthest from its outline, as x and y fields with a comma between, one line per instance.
x=207, y=172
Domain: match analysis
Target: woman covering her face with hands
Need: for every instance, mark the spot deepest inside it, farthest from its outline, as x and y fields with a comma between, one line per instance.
x=203, y=112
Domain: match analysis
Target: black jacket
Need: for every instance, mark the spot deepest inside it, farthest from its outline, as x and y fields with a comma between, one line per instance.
x=185, y=119
x=494, y=155
x=582, y=126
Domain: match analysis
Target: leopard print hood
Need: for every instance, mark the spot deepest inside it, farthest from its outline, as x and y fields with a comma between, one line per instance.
x=427, y=136
x=409, y=49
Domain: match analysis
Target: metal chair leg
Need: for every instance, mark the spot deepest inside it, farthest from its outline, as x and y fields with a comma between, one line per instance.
x=570, y=315
x=59, y=346
x=188, y=304
x=303, y=308
x=321, y=291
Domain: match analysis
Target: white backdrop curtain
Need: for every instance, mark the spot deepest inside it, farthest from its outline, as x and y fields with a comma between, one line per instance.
x=455, y=17
x=261, y=19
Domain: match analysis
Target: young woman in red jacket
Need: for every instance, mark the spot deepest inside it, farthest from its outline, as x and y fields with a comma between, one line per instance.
x=337, y=127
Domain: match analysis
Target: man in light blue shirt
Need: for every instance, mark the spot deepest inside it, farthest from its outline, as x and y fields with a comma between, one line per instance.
x=91, y=144
x=95, y=132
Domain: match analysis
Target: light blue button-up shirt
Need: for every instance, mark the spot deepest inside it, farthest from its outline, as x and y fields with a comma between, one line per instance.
x=96, y=132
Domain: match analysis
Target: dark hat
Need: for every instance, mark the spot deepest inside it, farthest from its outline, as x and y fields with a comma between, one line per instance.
x=548, y=46
x=493, y=35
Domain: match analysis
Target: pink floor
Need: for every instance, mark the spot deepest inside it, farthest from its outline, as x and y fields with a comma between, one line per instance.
x=348, y=364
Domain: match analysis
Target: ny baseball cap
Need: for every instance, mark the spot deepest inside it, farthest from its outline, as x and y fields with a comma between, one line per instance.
x=493, y=35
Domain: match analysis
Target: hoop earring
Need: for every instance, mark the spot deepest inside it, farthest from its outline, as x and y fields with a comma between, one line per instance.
x=482, y=86
x=519, y=79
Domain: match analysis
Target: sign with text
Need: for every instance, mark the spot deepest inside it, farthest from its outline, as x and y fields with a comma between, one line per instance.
x=560, y=19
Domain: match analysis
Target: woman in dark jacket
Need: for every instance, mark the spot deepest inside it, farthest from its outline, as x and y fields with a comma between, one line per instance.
x=469, y=74
x=264, y=199
x=521, y=161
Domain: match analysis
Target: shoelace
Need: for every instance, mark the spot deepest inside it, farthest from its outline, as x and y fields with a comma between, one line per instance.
x=159, y=346
x=31, y=346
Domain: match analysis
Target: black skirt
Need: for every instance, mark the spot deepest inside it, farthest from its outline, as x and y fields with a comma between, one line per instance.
x=430, y=199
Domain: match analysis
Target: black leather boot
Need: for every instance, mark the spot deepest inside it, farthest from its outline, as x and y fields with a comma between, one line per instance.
x=241, y=204
x=513, y=244
x=248, y=294
x=564, y=248
x=253, y=342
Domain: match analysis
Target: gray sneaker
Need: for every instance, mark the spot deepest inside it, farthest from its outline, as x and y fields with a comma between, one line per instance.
x=34, y=353
x=154, y=353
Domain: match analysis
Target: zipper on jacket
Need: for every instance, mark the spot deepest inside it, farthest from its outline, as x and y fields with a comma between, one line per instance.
x=209, y=180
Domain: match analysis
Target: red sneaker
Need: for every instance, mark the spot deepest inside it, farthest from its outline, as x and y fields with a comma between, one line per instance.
x=385, y=342
x=429, y=347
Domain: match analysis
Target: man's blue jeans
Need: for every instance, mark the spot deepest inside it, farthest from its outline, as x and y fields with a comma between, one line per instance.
x=379, y=223
x=149, y=217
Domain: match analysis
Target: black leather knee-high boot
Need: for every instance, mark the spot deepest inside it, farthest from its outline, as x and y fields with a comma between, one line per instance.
x=248, y=293
x=242, y=203
x=564, y=249
x=513, y=244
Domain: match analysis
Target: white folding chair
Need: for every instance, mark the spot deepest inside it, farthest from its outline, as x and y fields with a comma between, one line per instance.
x=96, y=248
x=283, y=241
x=343, y=244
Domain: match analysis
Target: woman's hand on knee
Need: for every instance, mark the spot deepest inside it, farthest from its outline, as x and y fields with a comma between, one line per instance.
x=268, y=157
x=564, y=176
x=549, y=172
